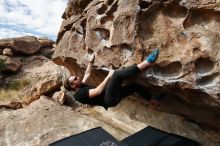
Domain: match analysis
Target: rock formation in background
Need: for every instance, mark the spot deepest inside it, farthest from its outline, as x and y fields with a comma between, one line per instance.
x=26, y=71
x=26, y=45
x=124, y=32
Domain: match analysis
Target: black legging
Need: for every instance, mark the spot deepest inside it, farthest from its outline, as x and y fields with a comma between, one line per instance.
x=115, y=92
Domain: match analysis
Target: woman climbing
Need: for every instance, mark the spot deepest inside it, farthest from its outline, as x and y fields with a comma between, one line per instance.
x=110, y=91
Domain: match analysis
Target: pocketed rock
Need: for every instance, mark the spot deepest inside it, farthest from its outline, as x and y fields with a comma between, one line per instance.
x=122, y=33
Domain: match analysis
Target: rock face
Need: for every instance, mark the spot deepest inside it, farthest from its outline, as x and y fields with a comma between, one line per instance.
x=26, y=45
x=121, y=32
x=37, y=76
x=51, y=83
x=26, y=78
x=45, y=121
x=124, y=32
x=27, y=127
x=45, y=42
x=10, y=64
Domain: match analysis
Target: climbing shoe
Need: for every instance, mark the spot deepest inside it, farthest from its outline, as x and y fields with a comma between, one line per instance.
x=153, y=56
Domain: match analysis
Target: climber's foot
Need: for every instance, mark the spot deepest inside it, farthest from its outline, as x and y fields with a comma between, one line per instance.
x=153, y=56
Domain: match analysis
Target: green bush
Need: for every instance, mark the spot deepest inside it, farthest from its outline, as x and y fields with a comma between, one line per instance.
x=26, y=82
x=18, y=84
x=15, y=85
x=14, y=89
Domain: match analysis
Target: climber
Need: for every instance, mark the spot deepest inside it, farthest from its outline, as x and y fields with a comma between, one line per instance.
x=110, y=91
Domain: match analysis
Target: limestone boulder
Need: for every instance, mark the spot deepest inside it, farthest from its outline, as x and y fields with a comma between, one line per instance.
x=134, y=113
x=37, y=76
x=4, y=43
x=59, y=97
x=25, y=45
x=122, y=33
x=10, y=64
x=48, y=84
x=47, y=52
x=50, y=122
x=7, y=52
x=44, y=122
x=45, y=42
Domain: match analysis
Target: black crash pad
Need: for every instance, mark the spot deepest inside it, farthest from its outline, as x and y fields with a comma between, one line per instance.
x=150, y=136
x=93, y=137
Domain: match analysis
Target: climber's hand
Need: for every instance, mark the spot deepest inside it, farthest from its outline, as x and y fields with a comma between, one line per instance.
x=111, y=72
x=92, y=59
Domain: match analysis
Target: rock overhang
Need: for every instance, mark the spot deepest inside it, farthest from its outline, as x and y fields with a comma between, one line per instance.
x=124, y=32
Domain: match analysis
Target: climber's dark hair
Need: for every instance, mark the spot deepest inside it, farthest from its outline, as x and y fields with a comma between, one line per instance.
x=66, y=84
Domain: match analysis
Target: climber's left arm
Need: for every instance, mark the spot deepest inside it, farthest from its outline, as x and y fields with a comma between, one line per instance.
x=88, y=69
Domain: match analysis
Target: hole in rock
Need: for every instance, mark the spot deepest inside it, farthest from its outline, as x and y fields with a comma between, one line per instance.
x=125, y=46
x=203, y=65
x=83, y=3
x=173, y=70
x=79, y=32
x=102, y=33
x=113, y=9
x=68, y=26
x=83, y=24
x=73, y=29
x=110, y=2
x=197, y=97
x=196, y=50
x=106, y=19
x=102, y=9
x=202, y=17
x=144, y=4
x=207, y=79
x=146, y=20
x=174, y=10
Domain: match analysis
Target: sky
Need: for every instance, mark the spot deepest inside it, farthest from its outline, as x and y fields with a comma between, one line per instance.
x=41, y=18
